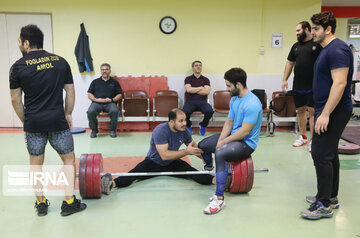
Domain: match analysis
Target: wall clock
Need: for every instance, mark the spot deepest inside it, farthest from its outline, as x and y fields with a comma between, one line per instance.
x=167, y=25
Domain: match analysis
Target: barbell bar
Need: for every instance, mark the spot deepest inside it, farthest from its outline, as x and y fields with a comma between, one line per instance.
x=241, y=174
x=169, y=173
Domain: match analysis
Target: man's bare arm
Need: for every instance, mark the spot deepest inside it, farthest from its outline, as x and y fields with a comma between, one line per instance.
x=16, y=101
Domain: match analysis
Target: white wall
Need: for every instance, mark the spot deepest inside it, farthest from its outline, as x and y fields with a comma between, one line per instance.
x=270, y=83
x=10, y=25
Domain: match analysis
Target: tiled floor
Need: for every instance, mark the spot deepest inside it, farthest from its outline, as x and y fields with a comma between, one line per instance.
x=172, y=207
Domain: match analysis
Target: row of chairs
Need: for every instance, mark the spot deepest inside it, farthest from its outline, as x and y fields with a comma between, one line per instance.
x=135, y=106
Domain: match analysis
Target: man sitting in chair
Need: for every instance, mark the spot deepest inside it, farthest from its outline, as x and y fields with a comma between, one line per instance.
x=104, y=92
x=197, y=89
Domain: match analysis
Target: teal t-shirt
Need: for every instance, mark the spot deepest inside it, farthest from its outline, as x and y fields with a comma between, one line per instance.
x=247, y=109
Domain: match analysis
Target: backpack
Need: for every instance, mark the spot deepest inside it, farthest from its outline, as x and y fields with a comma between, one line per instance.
x=260, y=93
x=283, y=104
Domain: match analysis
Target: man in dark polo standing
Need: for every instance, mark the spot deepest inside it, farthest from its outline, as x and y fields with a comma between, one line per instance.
x=104, y=92
x=197, y=89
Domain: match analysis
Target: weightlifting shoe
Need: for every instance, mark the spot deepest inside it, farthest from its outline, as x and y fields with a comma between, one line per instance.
x=300, y=142
x=76, y=206
x=113, y=134
x=202, y=130
x=215, y=205
x=106, y=184
x=42, y=208
x=334, y=202
x=316, y=211
x=93, y=134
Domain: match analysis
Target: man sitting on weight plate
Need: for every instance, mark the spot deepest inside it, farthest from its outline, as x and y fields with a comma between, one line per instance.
x=239, y=136
x=164, y=154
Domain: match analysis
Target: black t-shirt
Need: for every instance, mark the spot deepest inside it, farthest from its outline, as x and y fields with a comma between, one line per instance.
x=41, y=76
x=304, y=54
x=105, y=89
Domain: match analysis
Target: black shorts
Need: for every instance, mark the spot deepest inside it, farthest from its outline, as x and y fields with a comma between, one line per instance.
x=303, y=99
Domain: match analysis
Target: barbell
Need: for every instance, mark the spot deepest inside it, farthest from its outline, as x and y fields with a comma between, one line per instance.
x=91, y=169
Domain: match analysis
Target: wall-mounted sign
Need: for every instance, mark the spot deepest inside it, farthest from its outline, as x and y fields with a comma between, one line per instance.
x=277, y=39
x=354, y=31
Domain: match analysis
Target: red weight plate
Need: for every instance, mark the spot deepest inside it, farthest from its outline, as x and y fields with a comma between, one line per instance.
x=82, y=175
x=242, y=176
x=97, y=162
x=348, y=148
x=235, y=178
x=247, y=175
x=89, y=176
x=251, y=174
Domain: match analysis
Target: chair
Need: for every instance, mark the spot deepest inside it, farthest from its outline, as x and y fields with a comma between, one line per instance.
x=283, y=109
x=163, y=102
x=196, y=115
x=135, y=106
x=104, y=116
x=221, y=105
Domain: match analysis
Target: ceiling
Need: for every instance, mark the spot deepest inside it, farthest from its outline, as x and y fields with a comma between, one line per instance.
x=340, y=2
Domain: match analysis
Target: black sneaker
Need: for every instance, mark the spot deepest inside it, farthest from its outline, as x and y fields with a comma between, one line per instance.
x=113, y=134
x=42, y=208
x=68, y=209
x=93, y=134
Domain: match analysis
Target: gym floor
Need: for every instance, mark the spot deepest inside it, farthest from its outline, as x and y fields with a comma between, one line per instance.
x=172, y=207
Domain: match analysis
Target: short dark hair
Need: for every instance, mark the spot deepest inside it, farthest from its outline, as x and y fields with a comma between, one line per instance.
x=235, y=75
x=105, y=64
x=34, y=35
x=196, y=61
x=325, y=19
x=305, y=24
x=174, y=112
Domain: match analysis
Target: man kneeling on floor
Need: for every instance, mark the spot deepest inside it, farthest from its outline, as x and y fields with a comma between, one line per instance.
x=164, y=154
x=239, y=136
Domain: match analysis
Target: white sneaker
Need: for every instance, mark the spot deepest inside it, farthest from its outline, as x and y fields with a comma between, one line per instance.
x=212, y=171
x=214, y=206
x=300, y=142
x=310, y=145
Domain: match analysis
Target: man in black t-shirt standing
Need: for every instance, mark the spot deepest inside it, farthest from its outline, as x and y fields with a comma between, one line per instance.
x=104, y=92
x=42, y=77
x=303, y=55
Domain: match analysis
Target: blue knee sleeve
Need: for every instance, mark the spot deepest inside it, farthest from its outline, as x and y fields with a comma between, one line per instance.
x=221, y=178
